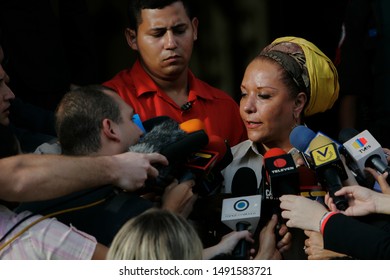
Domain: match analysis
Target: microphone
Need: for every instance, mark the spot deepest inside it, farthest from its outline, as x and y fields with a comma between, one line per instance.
x=282, y=173
x=243, y=211
x=244, y=182
x=189, y=150
x=192, y=125
x=207, y=164
x=161, y=135
x=301, y=137
x=308, y=183
x=205, y=159
x=364, y=150
x=186, y=106
x=222, y=148
x=168, y=139
x=329, y=167
x=149, y=124
x=282, y=177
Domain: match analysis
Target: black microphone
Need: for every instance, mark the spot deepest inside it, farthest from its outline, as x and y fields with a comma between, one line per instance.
x=243, y=211
x=207, y=164
x=244, y=182
x=329, y=168
x=168, y=139
x=282, y=177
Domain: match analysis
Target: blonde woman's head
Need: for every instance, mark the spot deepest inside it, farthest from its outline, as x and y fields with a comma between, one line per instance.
x=156, y=235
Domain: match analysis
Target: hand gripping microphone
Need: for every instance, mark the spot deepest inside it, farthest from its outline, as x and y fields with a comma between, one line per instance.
x=243, y=211
x=364, y=150
x=329, y=168
x=168, y=139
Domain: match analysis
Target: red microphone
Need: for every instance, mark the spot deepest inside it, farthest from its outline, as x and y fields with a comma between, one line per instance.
x=308, y=183
x=214, y=152
x=205, y=159
x=282, y=174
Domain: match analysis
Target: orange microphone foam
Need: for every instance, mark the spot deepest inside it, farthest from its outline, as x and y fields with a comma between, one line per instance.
x=192, y=125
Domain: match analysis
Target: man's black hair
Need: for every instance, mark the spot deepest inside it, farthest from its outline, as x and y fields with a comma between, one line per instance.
x=135, y=6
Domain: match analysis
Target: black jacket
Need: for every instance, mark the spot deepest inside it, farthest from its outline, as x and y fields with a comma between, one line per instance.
x=344, y=234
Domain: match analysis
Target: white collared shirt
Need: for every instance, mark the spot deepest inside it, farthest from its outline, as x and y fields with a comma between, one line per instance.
x=245, y=154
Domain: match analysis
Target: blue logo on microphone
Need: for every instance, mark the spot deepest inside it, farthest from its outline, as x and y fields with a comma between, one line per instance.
x=241, y=205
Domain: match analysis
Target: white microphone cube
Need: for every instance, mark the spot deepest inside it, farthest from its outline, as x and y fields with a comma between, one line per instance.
x=363, y=146
x=245, y=209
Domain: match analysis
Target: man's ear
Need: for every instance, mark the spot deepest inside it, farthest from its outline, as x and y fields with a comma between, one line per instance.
x=195, y=23
x=110, y=130
x=131, y=38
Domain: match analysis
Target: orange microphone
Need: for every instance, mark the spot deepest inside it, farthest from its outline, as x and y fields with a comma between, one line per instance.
x=192, y=125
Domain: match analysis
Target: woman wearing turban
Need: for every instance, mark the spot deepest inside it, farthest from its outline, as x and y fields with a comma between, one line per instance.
x=289, y=80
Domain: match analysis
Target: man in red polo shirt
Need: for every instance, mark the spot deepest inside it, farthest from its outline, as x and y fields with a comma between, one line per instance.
x=161, y=83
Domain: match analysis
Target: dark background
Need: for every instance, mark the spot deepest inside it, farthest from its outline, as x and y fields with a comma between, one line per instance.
x=51, y=43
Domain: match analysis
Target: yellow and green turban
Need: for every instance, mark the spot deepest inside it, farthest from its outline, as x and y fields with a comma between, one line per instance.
x=317, y=75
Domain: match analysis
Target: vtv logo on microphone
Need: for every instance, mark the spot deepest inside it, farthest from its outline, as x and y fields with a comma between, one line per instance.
x=360, y=144
x=324, y=154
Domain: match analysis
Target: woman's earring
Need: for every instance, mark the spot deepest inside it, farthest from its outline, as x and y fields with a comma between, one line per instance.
x=295, y=121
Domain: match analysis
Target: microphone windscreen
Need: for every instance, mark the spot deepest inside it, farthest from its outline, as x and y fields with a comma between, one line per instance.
x=152, y=122
x=319, y=141
x=347, y=133
x=301, y=136
x=161, y=136
x=244, y=182
x=274, y=152
x=182, y=148
x=192, y=125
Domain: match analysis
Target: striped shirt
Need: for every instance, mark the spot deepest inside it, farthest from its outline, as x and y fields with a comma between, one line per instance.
x=47, y=240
